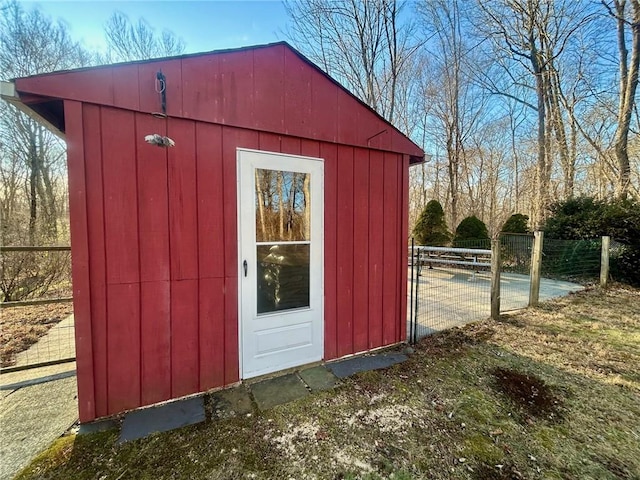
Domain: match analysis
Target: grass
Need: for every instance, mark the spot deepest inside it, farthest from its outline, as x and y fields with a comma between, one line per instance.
x=549, y=393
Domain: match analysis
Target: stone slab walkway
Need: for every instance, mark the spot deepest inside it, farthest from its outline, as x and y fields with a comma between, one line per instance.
x=276, y=391
x=351, y=366
x=141, y=423
x=245, y=398
x=231, y=402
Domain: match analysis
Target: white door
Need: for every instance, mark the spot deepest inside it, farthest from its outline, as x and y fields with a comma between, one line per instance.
x=280, y=239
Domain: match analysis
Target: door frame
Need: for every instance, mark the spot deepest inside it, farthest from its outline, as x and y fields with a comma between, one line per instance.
x=239, y=220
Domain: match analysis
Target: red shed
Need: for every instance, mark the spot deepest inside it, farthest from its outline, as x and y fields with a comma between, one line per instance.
x=272, y=235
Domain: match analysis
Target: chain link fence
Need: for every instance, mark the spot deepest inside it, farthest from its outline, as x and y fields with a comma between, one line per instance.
x=448, y=286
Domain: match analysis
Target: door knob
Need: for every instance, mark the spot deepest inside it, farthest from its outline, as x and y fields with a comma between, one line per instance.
x=245, y=266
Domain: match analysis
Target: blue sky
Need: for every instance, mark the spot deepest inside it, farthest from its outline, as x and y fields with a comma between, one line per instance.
x=203, y=25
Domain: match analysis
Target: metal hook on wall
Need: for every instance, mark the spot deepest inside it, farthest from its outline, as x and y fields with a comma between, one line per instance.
x=161, y=88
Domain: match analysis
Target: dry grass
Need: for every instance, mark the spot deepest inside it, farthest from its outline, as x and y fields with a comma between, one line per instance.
x=550, y=393
x=595, y=334
x=21, y=327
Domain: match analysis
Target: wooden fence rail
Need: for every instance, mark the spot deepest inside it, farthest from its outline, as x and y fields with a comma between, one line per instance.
x=32, y=248
x=38, y=301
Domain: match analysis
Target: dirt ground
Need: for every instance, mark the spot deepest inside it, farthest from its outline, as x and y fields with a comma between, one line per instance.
x=21, y=327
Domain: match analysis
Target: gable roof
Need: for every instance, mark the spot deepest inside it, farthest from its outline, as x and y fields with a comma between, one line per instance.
x=270, y=88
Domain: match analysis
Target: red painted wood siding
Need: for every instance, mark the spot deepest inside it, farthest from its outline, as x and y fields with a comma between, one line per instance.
x=161, y=253
x=158, y=228
x=155, y=230
x=364, y=251
x=78, y=194
x=269, y=88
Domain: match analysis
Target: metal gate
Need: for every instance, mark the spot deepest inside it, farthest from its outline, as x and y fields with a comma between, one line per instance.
x=448, y=286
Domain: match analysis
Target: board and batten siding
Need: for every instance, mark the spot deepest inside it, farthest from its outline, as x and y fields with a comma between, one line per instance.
x=270, y=89
x=155, y=239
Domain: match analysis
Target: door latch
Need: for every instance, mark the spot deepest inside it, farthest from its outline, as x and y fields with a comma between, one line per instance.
x=245, y=266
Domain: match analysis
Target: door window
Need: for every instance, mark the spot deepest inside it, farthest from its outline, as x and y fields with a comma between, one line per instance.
x=283, y=234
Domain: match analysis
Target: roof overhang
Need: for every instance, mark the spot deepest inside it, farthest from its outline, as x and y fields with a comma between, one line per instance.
x=42, y=97
x=47, y=111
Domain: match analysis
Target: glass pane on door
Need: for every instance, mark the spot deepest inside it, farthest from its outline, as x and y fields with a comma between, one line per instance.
x=283, y=277
x=282, y=206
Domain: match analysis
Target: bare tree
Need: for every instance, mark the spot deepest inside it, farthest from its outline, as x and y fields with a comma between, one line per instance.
x=360, y=43
x=32, y=43
x=127, y=41
x=531, y=35
x=457, y=106
x=602, y=115
x=283, y=205
x=32, y=160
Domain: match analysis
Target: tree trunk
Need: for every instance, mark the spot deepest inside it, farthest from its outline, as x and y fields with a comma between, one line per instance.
x=453, y=169
x=291, y=206
x=516, y=169
x=46, y=191
x=307, y=206
x=392, y=43
x=33, y=188
x=566, y=160
x=280, y=207
x=628, y=86
x=260, y=200
x=542, y=186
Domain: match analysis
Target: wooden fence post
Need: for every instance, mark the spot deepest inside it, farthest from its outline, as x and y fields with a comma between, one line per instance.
x=536, y=264
x=495, y=278
x=604, y=262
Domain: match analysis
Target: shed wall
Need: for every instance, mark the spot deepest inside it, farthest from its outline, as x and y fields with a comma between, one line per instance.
x=270, y=88
x=158, y=228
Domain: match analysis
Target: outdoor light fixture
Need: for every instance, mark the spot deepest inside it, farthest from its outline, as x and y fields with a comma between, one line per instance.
x=159, y=140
